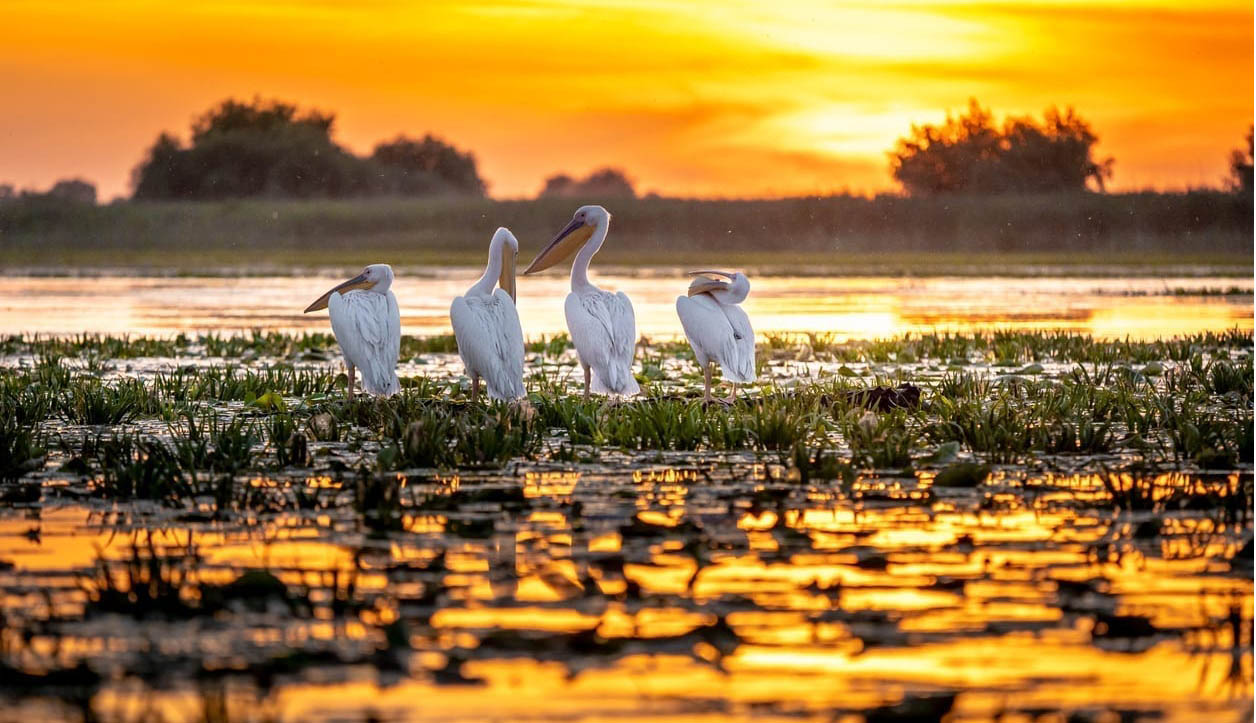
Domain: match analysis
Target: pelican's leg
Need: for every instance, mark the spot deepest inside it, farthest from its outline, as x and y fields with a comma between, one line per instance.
x=475, y=387
x=732, y=396
x=352, y=374
x=588, y=380
x=706, y=392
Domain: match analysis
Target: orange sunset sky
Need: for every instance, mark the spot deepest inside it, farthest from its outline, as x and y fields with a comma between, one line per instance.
x=733, y=98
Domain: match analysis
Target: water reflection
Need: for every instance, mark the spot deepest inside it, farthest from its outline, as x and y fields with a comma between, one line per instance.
x=1141, y=308
x=687, y=591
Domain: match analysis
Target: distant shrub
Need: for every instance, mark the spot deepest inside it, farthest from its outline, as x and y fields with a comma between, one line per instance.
x=426, y=166
x=603, y=183
x=969, y=154
x=74, y=190
x=271, y=149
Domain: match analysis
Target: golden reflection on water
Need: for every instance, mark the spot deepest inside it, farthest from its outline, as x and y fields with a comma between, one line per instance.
x=849, y=308
x=1011, y=597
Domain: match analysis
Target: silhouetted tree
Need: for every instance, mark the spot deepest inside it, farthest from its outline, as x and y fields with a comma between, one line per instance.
x=271, y=148
x=427, y=166
x=1241, y=167
x=602, y=183
x=970, y=154
x=558, y=185
x=74, y=190
x=7, y=192
x=252, y=149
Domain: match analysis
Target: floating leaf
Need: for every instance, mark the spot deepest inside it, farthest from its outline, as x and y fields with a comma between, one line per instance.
x=269, y=401
x=963, y=474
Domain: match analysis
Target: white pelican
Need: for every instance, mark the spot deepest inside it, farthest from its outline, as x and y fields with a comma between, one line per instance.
x=367, y=323
x=602, y=325
x=486, y=324
x=717, y=328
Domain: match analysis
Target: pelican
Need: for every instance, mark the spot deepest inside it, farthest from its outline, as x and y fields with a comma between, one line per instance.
x=367, y=323
x=717, y=329
x=602, y=325
x=486, y=324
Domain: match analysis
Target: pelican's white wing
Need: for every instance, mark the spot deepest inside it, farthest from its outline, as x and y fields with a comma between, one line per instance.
x=368, y=327
x=740, y=368
x=707, y=328
x=720, y=333
x=490, y=341
x=604, y=331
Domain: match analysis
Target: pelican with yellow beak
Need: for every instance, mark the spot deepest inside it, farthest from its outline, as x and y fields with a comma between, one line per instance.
x=602, y=325
x=718, y=330
x=486, y=324
x=367, y=324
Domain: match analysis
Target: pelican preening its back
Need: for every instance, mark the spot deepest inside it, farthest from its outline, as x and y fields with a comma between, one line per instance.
x=717, y=328
x=367, y=324
x=601, y=323
x=486, y=324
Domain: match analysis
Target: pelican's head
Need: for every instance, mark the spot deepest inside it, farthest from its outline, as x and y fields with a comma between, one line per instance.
x=733, y=291
x=509, y=245
x=575, y=235
x=376, y=277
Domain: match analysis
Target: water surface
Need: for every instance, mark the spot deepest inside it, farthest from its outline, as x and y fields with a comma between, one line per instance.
x=859, y=307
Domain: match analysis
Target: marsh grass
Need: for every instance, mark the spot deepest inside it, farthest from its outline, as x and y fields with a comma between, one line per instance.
x=881, y=440
x=230, y=383
x=1184, y=402
x=439, y=435
x=136, y=467
x=21, y=449
x=94, y=402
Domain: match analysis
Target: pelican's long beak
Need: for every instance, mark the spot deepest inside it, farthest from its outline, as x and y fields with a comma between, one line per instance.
x=357, y=282
x=702, y=284
x=562, y=247
x=507, y=278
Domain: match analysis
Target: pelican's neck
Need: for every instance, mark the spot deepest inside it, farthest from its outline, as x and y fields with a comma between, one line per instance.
x=735, y=293
x=580, y=267
x=492, y=272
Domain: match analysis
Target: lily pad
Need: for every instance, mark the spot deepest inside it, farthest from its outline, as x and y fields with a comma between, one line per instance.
x=963, y=474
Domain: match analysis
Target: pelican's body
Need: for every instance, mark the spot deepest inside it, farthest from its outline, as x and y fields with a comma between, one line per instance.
x=602, y=325
x=718, y=329
x=367, y=324
x=486, y=324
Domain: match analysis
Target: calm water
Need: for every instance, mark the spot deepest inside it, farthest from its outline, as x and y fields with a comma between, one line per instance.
x=848, y=307
x=580, y=597
x=653, y=586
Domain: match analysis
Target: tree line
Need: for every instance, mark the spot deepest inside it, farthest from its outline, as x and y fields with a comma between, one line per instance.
x=258, y=148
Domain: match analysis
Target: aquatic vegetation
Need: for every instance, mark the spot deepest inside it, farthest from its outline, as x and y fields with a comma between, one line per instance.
x=21, y=451
x=231, y=383
x=1191, y=405
x=880, y=440
x=435, y=435
x=242, y=504
x=97, y=403
x=137, y=467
